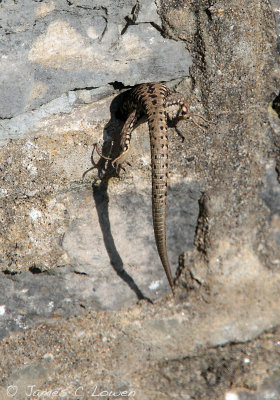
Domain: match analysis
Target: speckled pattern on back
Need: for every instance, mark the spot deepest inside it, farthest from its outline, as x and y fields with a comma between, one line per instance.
x=155, y=103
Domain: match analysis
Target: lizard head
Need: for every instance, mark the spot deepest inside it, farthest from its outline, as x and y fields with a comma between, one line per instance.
x=177, y=110
x=183, y=110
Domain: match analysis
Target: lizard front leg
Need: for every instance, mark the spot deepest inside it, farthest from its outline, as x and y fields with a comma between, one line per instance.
x=125, y=138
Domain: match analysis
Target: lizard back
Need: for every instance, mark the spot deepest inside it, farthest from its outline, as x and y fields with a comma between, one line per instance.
x=149, y=101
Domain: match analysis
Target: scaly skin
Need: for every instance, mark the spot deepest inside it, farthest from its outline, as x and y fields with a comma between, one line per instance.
x=155, y=103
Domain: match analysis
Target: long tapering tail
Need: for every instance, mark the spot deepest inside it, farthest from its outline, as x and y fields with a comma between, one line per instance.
x=159, y=159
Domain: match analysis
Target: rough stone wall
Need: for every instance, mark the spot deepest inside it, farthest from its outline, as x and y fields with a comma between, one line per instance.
x=61, y=64
x=71, y=246
x=62, y=50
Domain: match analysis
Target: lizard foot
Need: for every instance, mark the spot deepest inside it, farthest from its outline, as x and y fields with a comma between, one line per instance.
x=190, y=118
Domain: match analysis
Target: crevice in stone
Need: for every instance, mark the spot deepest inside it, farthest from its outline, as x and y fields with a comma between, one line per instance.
x=85, y=88
x=134, y=13
x=7, y=272
x=276, y=105
x=92, y=8
x=118, y=85
x=80, y=273
x=209, y=14
x=105, y=29
x=131, y=19
x=35, y=270
x=5, y=118
x=156, y=26
x=201, y=240
x=277, y=169
x=125, y=28
x=153, y=24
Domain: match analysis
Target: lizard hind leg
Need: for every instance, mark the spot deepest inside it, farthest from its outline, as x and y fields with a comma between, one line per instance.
x=116, y=162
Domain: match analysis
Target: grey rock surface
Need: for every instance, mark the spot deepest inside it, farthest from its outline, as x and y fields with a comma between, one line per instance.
x=269, y=390
x=54, y=47
x=90, y=354
x=275, y=6
x=104, y=273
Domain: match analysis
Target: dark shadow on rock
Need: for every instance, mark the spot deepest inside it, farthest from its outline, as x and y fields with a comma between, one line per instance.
x=101, y=198
x=110, y=149
x=111, y=142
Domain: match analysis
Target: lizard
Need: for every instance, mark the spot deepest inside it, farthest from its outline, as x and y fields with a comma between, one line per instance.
x=156, y=103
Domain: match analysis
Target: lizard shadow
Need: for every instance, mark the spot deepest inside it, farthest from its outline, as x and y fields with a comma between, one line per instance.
x=101, y=197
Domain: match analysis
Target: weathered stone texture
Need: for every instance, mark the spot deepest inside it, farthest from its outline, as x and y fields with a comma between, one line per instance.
x=56, y=46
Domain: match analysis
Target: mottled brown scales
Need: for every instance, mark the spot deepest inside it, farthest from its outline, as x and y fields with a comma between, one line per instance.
x=155, y=103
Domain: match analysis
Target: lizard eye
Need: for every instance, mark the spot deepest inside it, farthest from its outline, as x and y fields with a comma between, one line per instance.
x=184, y=110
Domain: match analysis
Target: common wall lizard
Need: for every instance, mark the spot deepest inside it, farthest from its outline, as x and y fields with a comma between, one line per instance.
x=156, y=103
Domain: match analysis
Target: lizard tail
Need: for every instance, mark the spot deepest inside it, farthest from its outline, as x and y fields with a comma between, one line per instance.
x=159, y=158
x=160, y=237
